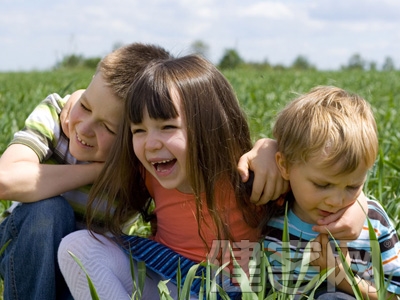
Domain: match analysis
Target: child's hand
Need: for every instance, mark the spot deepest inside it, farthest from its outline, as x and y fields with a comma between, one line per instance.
x=322, y=256
x=319, y=255
x=64, y=116
x=347, y=223
x=268, y=183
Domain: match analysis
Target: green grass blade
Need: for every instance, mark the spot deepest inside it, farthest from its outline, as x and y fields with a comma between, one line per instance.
x=377, y=265
x=222, y=294
x=178, y=279
x=203, y=281
x=92, y=289
x=208, y=279
x=141, y=276
x=286, y=257
x=305, y=265
x=258, y=262
x=138, y=283
x=163, y=290
x=136, y=294
x=191, y=275
x=305, y=261
x=213, y=284
x=381, y=174
x=392, y=165
x=4, y=247
x=270, y=274
x=316, y=281
x=349, y=273
x=244, y=282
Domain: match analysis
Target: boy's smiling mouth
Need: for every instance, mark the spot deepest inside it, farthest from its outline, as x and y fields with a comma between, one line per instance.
x=82, y=141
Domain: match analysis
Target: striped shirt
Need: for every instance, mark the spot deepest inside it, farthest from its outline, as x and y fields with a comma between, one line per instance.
x=300, y=233
x=43, y=134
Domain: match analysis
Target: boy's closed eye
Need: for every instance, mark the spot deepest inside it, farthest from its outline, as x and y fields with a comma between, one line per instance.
x=113, y=132
x=107, y=127
x=327, y=185
x=321, y=185
x=354, y=188
x=85, y=107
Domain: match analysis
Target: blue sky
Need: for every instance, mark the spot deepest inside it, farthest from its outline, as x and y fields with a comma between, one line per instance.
x=37, y=34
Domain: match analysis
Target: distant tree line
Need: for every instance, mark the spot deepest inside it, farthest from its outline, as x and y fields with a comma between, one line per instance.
x=73, y=61
x=231, y=59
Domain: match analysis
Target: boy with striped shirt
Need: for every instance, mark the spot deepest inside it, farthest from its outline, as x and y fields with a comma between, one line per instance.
x=327, y=142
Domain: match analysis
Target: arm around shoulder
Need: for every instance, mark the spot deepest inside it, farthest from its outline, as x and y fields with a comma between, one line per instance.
x=268, y=183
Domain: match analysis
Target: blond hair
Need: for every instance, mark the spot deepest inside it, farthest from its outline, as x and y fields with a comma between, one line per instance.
x=329, y=121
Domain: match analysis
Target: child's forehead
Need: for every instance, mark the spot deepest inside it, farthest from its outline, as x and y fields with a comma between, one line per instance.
x=325, y=166
x=99, y=86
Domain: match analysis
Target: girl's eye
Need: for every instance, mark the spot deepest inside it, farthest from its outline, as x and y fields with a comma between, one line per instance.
x=169, y=127
x=136, y=130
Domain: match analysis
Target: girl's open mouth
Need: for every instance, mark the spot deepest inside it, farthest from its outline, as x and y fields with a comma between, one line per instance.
x=164, y=166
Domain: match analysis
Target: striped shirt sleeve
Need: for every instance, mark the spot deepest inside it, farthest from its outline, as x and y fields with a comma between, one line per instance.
x=42, y=129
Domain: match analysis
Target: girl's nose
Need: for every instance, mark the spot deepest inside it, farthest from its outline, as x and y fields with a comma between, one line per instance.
x=153, y=142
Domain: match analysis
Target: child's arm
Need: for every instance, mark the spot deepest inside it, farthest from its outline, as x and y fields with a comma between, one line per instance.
x=268, y=183
x=24, y=179
x=324, y=258
x=347, y=223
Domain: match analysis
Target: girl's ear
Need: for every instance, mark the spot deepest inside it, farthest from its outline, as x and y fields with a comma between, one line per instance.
x=282, y=165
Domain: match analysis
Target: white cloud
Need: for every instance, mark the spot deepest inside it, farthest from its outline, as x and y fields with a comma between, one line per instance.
x=356, y=10
x=269, y=9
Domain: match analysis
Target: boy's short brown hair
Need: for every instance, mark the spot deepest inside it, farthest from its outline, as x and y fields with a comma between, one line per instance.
x=120, y=67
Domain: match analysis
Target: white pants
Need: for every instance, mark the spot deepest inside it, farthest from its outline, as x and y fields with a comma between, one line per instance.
x=107, y=266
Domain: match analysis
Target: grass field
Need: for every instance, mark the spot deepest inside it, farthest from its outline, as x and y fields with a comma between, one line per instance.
x=262, y=94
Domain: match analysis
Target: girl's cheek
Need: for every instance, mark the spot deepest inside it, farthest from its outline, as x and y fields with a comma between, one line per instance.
x=136, y=148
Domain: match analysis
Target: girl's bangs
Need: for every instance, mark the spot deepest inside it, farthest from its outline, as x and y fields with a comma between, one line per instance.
x=153, y=96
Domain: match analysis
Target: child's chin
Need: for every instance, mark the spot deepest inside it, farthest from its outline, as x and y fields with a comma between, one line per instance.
x=81, y=156
x=308, y=218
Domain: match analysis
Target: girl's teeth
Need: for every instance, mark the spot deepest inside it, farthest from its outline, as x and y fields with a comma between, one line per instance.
x=161, y=162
